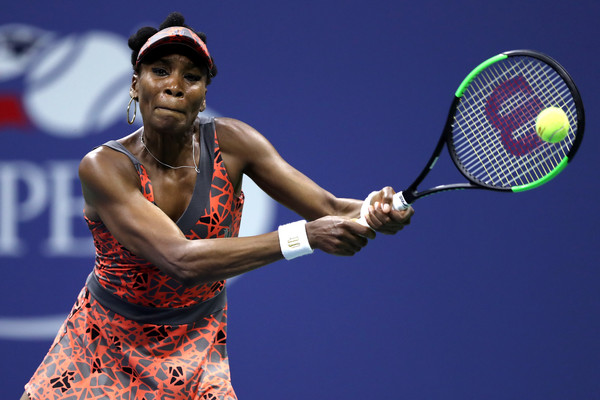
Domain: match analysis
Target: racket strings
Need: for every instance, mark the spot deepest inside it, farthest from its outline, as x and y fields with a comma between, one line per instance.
x=476, y=117
x=547, y=96
x=552, y=91
x=494, y=137
x=487, y=161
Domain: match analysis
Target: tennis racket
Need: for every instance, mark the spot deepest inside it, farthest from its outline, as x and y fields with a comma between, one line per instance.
x=490, y=130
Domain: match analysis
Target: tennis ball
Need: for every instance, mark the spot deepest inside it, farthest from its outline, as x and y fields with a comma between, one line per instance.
x=552, y=124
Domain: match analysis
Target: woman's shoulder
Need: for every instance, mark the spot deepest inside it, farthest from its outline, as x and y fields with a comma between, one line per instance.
x=242, y=146
x=235, y=133
x=231, y=126
x=104, y=161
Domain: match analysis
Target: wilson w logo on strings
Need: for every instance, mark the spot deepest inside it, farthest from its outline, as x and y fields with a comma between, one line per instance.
x=508, y=120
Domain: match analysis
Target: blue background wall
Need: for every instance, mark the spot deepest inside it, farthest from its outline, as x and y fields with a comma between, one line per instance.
x=484, y=296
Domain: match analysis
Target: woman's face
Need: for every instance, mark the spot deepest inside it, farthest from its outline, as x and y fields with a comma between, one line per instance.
x=170, y=91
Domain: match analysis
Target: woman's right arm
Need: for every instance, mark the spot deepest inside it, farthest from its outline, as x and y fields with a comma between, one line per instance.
x=112, y=194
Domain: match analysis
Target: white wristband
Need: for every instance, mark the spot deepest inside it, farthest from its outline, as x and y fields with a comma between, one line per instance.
x=293, y=240
x=364, y=209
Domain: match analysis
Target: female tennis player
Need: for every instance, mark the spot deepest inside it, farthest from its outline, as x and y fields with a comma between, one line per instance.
x=151, y=321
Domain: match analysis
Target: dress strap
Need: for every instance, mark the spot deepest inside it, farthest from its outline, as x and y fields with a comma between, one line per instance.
x=200, y=202
x=113, y=144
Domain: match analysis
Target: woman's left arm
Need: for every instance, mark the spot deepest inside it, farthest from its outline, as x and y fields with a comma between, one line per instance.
x=246, y=151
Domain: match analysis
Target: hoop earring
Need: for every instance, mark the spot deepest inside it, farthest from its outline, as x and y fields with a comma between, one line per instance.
x=131, y=121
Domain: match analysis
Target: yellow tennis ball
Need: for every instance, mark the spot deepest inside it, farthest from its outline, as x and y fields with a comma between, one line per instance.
x=552, y=125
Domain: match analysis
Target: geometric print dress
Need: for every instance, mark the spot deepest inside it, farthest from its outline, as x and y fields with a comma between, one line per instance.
x=136, y=333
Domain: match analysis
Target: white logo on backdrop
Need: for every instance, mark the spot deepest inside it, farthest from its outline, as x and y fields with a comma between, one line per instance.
x=74, y=86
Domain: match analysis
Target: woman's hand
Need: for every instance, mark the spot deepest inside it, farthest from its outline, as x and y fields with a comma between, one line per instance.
x=382, y=217
x=338, y=235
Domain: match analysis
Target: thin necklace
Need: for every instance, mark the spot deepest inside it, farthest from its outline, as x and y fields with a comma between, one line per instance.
x=170, y=166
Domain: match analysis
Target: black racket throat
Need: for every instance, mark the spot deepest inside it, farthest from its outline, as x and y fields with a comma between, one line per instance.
x=411, y=194
x=438, y=148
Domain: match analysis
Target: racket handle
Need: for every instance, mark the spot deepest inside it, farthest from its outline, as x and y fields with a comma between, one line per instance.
x=398, y=204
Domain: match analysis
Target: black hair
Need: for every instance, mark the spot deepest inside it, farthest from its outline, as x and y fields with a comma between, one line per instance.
x=138, y=39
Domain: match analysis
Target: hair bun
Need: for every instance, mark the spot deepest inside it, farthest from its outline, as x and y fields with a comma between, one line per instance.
x=173, y=19
x=136, y=41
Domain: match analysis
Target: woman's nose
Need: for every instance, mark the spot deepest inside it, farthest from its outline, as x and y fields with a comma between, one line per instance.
x=174, y=91
x=173, y=87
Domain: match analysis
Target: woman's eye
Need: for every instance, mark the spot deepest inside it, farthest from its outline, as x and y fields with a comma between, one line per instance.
x=159, y=71
x=193, y=77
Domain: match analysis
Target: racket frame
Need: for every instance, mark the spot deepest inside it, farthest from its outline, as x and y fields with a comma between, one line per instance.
x=411, y=193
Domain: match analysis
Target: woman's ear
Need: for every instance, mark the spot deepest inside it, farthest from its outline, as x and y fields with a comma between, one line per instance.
x=133, y=93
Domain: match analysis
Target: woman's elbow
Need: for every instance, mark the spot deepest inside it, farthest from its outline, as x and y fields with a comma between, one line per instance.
x=180, y=267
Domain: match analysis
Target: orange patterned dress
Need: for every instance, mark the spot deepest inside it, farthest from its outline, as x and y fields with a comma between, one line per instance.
x=136, y=333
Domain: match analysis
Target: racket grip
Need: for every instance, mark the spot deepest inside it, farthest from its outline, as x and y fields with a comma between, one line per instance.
x=399, y=202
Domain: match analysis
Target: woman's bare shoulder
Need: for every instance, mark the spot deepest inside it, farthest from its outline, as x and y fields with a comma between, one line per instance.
x=104, y=166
